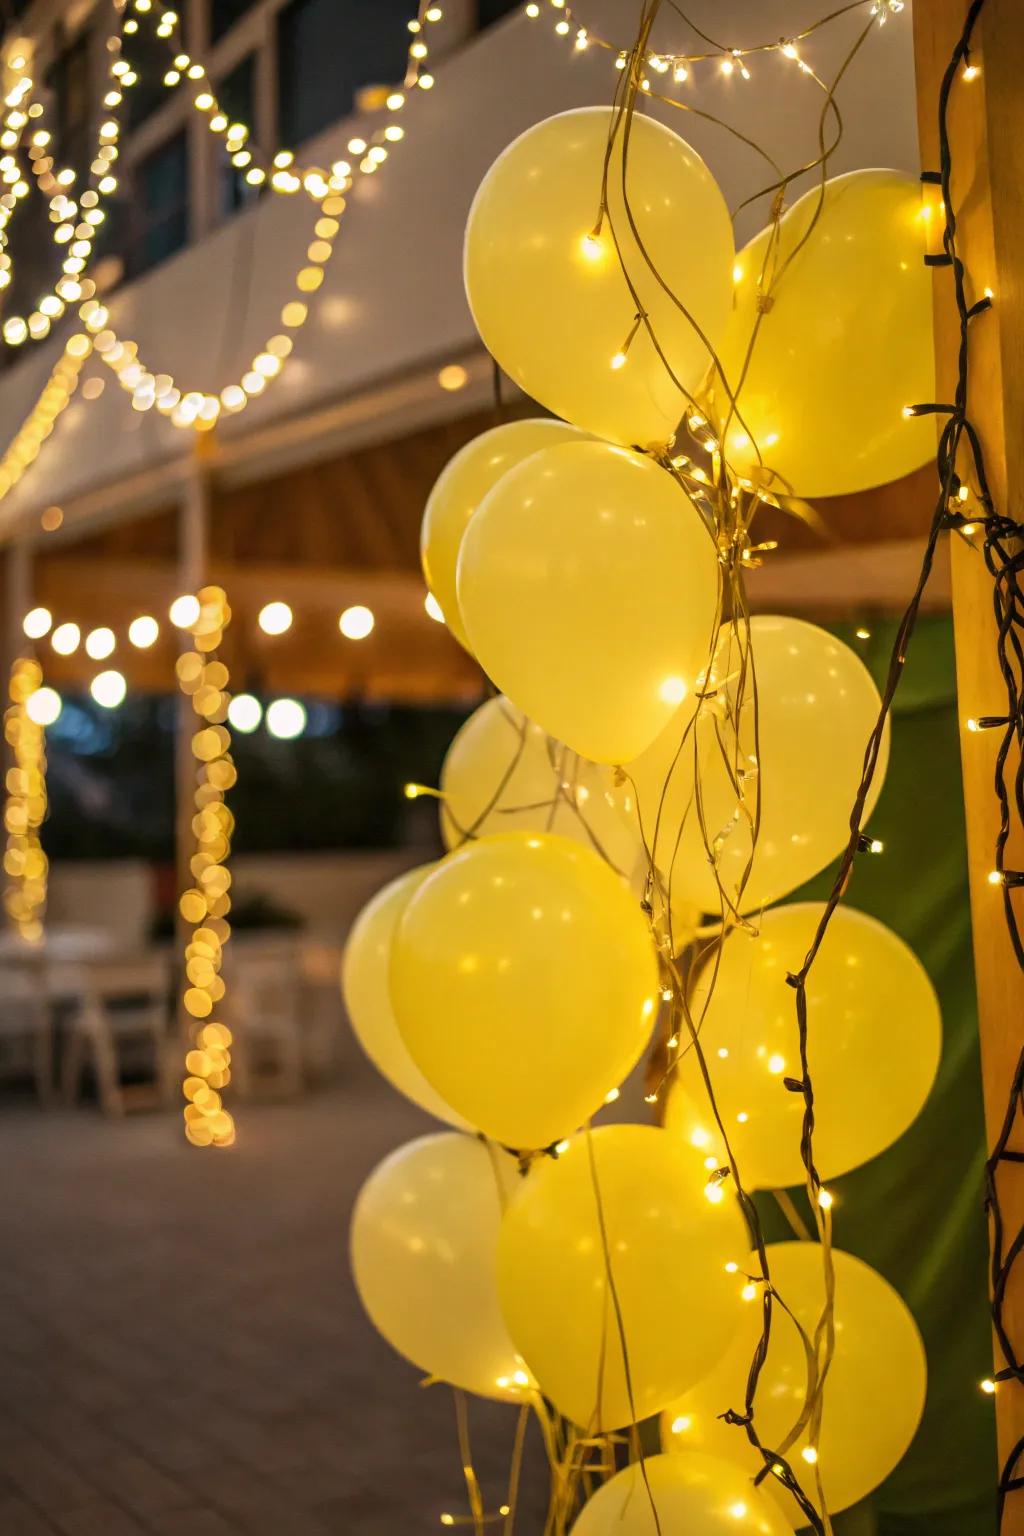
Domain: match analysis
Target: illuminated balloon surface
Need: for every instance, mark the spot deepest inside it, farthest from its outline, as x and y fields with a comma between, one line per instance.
x=681, y=1496
x=423, y=1238
x=816, y=707
x=589, y=587
x=666, y=1245
x=549, y=291
x=875, y=1037
x=525, y=984
x=502, y=773
x=459, y=490
x=365, y=985
x=845, y=344
x=874, y=1393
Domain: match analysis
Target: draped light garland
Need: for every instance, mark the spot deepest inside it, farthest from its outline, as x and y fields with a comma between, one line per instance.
x=25, y=863
x=203, y=678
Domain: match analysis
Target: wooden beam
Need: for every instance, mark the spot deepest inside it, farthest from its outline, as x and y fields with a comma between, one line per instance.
x=988, y=164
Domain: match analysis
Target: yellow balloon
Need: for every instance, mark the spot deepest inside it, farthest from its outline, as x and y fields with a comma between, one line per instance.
x=366, y=989
x=525, y=984
x=816, y=707
x=869, y=1001
x=874, y=1392
x=667, y=1245
x=502, y=773
x=548, y=289
x=589, y=586
x=823, y=394
x=681, y=1496
x=459, y=490
x=422, y=1242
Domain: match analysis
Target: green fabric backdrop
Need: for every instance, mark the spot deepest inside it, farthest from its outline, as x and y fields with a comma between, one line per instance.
x=916, y=1213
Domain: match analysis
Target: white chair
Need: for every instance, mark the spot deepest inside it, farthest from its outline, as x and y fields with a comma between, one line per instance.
x=116, y=1003
x=264, y=990
x=25, y=1020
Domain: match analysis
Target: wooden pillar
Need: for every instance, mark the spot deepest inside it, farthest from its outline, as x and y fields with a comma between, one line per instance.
x=986, y=122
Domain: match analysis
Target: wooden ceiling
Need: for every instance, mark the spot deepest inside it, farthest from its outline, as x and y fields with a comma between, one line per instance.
x=346, y=530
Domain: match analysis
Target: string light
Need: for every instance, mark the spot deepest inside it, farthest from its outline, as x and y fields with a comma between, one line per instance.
x=286, y=719
x=275, y=618
x=357, y=622
x=143, y=631
x=25, y=863
x=244, y=713
x=100, y=643
x=109, y=689
x=206, y=904
x=37, y=623
x=65, y=639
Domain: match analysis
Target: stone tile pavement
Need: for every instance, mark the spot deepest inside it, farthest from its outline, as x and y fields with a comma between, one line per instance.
x=181, y=1349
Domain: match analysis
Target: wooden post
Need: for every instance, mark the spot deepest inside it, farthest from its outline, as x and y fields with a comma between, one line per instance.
x=988, y=174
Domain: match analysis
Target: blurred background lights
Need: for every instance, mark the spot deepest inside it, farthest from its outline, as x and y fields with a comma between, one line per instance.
x=184, y=612
x=286, y=719
x=245, y=712
x=108, y=689
x=356, y=623
x=100, y=643
x=453, y=377
x=275, y=618
x=65, y=639
x=43, y=706
x=36, y=623
x=143, y=631
x=433, y=608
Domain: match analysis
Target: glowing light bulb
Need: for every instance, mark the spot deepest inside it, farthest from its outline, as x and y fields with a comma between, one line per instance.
x=100, y=643
x=184, y=612
x=591, y=246
x=143, y=631
x=453, y=377
x=825, y=1199
x=971, y=71
x=108, y=689
x=44, y=706
x=65, y=639
x=714, y=1193
x=776, y=1064
x=988, y=1386
x=809, y=1455
x=275, y=618
x=682, y=1424
x=286, y=719
x=37, y=622
x=356, y=622
x=611, y=1095
x=245, y=712
x=618, y=361
x=673, y=690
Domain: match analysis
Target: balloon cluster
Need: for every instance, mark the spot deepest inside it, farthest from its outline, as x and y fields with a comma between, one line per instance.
x=656, y=759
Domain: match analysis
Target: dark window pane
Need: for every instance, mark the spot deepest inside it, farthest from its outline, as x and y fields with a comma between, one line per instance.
x=236, y=96
x=224, y=14
x=69, y=79
x=490, y=11
x=327, y=50
x=150, y=58
x=159, y=206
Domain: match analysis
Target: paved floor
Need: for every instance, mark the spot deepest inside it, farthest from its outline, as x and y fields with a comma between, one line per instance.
x=181, y=1350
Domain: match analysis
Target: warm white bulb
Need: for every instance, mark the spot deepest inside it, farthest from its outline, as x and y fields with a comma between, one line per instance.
x=275, y=618
x=356, y=623
x=37, y=623
x=100, y=643
x=184, y=612
x=286, y=719
x=245, y=712
x=65, y=639
x=108, y=689
x=143, y=631
x=43, y=706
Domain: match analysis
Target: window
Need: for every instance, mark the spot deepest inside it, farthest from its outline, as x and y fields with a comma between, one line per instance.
x=236, y=94
x=159, y=206
x=327, y=50
x=490, y=11
x=69, y=80
x=150, y=57
x=224, y=14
